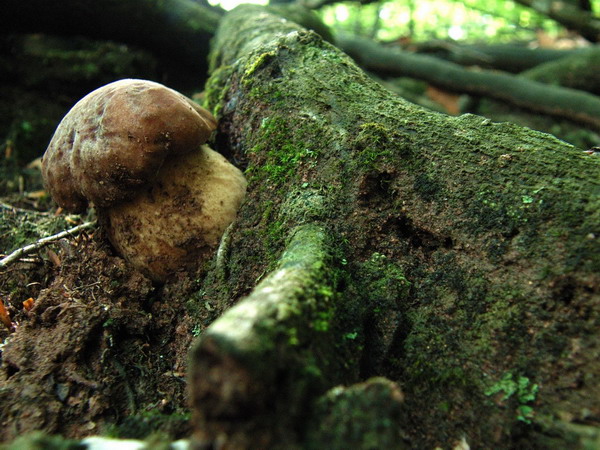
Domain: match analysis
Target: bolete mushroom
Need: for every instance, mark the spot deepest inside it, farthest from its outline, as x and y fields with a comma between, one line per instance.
x=133, y=148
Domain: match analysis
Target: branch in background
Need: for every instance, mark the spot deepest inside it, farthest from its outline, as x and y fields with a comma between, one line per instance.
x=571, y=104
x=176, y=30
x=577, y=71
x=568, y=15
x=316, y=4
x=14, y=256
x=507, y=57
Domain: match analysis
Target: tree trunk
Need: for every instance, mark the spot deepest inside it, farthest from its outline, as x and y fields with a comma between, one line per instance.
x=453, y=255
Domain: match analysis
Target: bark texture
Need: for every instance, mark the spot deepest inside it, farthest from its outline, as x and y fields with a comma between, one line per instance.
x=463, y=259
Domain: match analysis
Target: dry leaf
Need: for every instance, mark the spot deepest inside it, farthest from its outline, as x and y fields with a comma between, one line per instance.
x=4, y=317
x=28, y=304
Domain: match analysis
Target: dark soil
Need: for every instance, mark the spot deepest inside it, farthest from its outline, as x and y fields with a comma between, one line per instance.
x=102, y=350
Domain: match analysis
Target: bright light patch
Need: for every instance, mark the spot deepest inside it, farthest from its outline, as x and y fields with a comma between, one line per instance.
x=386, y=12
x=230, y=4
x=341, y=13
x=456, y=32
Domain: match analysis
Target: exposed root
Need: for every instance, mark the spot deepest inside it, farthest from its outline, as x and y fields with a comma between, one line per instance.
x=249, y=369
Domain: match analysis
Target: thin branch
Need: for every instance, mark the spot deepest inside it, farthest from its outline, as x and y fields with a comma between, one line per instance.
x=14, y=208
x=43, y=242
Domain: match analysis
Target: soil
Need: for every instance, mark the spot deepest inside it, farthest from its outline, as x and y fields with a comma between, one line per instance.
x=101, y=350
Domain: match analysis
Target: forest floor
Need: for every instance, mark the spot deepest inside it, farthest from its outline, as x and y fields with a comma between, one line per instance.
x=89, y=342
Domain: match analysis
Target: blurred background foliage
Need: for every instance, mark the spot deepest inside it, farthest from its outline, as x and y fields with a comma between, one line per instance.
x=471, y=21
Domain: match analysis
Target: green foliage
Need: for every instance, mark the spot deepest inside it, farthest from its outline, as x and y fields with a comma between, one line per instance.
x=472, y=20
x=521, y=389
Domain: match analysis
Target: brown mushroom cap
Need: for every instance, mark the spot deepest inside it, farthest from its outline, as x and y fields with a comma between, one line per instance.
x=115, y=139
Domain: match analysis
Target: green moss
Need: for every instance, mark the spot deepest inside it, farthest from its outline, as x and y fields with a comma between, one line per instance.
x=363, y=416
x=256, y=63
x=216, y=89
x=384, y=279
x=304, y=205
x=279, y=156
x=275, y=234
x=150, y=423
x=427, y=187
x=372, y=143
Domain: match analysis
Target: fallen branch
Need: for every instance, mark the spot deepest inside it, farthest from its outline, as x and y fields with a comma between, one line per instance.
x=14, y=256
x=572, y=104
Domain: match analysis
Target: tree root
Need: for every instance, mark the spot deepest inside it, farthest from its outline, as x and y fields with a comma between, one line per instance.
x=254, y=369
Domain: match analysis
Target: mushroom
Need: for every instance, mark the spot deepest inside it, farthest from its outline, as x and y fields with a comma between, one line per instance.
x=133, y=148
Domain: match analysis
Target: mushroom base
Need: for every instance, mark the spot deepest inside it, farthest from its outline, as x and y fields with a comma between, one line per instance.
x=177, y=222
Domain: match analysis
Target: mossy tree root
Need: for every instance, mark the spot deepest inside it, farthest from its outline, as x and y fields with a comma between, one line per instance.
x=580, y=107
x=469, y=247
x=254, y=369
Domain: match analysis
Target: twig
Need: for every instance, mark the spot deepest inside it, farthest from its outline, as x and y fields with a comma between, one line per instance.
x=14, y=208
x=43, y=242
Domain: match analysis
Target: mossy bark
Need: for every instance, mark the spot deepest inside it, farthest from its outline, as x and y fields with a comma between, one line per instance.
x=270, y=354
x=466, y=253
